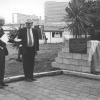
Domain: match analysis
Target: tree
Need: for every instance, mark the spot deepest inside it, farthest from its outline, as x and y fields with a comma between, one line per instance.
x=80, y=17
x=12, y=35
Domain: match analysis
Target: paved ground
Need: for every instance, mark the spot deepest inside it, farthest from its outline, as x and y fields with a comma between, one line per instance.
x=61, y=87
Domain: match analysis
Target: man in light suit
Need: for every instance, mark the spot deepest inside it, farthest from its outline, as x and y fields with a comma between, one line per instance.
x=30, y=46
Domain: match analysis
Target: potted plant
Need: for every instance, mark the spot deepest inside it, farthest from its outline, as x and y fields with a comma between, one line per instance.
x=79, y=17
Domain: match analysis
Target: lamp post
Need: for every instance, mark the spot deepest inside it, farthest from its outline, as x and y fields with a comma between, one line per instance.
x=2, y=21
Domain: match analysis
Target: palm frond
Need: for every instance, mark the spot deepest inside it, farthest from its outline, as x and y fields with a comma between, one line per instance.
x=79, y=13
x=11, y=36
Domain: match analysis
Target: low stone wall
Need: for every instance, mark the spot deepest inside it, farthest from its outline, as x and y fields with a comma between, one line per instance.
x=73, y=61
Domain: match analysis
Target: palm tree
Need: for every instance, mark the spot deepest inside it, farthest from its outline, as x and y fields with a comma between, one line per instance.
x=80, y=17
x=12, y=35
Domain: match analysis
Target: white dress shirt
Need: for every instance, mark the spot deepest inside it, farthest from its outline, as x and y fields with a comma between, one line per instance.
x=30, y=39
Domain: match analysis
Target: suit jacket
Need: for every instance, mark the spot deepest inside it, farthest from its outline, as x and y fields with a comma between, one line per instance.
x=22, y=34
x=95, y=36
x=3, y=44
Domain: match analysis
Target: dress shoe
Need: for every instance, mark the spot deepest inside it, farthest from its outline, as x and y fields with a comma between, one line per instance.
x=1, y=87
x=28, y=80
x=3, y=84
x=34, y=79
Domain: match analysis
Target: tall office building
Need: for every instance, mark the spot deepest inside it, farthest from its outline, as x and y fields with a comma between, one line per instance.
x=55, y=12
x=54, y=20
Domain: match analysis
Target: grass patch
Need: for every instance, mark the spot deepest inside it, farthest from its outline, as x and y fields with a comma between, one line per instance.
x=46, y=55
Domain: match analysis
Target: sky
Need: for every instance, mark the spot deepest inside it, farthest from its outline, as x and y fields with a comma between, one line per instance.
x=30, y=7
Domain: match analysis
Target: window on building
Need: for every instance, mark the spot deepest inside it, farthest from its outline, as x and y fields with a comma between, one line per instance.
x=60, y=34
x=53, y=34
x=56, y=34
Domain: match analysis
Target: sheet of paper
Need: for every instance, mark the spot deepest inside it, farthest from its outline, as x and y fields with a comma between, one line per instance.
x=17, y=40
x=4, y=38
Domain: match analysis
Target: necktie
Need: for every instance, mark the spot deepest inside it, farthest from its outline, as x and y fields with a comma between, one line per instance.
x=30, y=38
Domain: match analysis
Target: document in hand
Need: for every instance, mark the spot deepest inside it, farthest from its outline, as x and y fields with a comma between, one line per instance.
x=4, y=38
x=17, y=40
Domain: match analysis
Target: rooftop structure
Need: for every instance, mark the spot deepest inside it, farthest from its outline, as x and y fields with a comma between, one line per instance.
x=19, y=18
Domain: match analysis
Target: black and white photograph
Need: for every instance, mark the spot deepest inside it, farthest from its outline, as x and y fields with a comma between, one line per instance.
x=49, y=49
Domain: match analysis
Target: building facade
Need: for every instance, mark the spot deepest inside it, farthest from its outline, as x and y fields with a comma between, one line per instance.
x=54, y=20
x=55, y=11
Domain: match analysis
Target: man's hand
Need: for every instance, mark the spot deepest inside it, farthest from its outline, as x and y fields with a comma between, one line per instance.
x=17, y=40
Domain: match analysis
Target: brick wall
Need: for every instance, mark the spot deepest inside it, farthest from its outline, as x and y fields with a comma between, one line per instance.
x=73, y=61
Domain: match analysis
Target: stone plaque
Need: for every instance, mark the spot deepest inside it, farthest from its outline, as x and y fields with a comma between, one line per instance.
x=78, y=46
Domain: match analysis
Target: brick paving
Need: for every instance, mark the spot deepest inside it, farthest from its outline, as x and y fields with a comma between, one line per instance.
x=60, y=87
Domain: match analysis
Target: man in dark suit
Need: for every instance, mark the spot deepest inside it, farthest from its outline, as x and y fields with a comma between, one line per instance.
x=30, y=46
x=3, y=53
